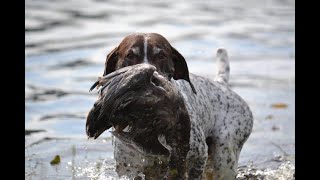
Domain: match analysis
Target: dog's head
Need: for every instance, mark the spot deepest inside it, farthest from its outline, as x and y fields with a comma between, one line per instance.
x=149, y=48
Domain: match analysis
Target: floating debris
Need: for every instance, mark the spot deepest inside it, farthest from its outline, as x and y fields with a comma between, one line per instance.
x=269, y=117
x=279, y=105
x=275, y=128
x=56, y=160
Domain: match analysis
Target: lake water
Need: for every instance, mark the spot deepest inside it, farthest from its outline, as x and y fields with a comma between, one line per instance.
x=66, y=45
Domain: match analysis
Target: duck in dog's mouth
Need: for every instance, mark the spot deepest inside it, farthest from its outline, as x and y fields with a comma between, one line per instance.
x=139, y=103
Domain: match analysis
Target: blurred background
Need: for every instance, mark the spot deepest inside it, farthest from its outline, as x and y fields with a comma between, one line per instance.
x=66, y=42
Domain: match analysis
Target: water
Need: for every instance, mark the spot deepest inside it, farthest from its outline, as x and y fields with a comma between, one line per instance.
x=66, y=45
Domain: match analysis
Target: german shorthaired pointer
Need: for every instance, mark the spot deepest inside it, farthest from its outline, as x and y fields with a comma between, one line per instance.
x=198, y=126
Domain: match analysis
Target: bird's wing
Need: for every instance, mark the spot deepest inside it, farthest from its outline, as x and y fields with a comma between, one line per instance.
x=118, y=92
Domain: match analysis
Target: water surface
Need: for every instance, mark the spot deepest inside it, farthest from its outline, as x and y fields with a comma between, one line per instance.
x=66, y=45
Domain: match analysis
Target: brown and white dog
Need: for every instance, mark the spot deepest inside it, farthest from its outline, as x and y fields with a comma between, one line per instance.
x=205, y=138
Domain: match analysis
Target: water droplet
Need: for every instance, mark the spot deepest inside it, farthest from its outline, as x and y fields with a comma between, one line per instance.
x=128, y=165
x=104, y=141
x=160, y=162
x=69, y=163
x=143, y=160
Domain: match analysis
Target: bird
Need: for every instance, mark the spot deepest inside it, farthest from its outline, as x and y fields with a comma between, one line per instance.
x=139, y=99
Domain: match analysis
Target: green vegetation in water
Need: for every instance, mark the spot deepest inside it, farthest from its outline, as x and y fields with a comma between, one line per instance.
x=269, y=117
x=56, y=160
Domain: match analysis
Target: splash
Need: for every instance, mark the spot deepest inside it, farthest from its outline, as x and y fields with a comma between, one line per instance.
x=286, y=171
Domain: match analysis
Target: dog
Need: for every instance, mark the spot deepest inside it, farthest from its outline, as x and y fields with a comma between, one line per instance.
x=206, y=122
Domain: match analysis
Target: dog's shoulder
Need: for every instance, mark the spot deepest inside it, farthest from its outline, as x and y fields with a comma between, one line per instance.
x=213, y=100
x=205, y=87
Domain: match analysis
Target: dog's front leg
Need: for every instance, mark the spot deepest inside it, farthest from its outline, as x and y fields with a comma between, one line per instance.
x=177, y=159
x=177, y=142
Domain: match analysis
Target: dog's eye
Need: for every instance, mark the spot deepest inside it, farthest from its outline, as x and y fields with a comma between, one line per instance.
x=161, y=56
x=130, y=55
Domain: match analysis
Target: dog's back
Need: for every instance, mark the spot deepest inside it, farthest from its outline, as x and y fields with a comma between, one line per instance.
x=214, y=99
x=219, y=117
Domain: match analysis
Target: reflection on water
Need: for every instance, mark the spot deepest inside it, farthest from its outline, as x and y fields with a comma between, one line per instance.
x=66, y=45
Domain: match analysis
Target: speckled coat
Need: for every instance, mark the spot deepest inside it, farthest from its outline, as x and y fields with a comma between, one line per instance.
x=204, y=126
x=221, y=122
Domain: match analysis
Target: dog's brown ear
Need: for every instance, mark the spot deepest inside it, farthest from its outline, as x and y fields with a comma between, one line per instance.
x=111, y=61
x=180, y=68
